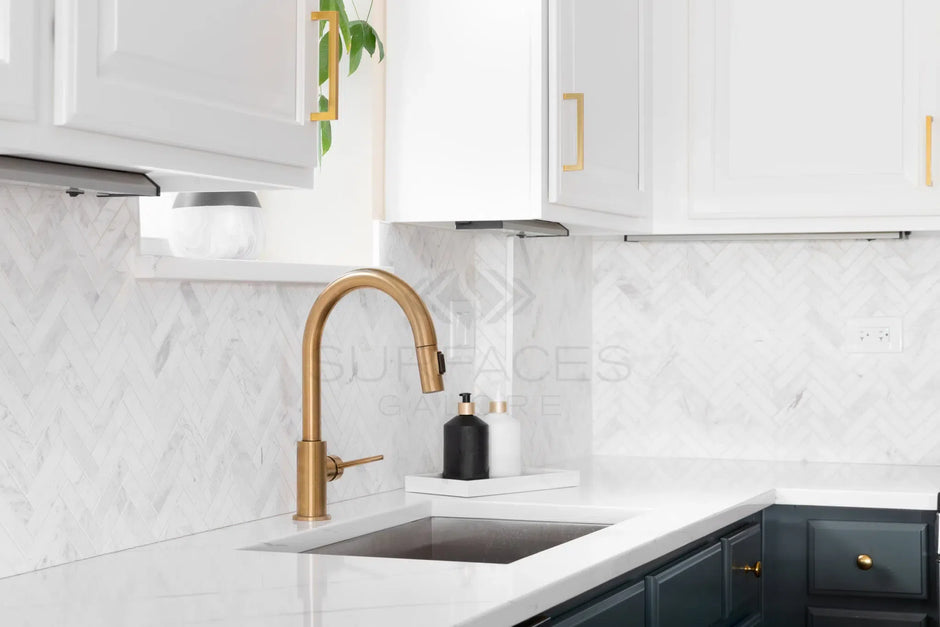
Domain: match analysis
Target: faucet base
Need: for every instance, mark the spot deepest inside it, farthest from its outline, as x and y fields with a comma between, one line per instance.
x=311, y=518
x=311, y=480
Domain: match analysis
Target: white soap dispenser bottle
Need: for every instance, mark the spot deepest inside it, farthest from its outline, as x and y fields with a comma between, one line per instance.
x=505, y=442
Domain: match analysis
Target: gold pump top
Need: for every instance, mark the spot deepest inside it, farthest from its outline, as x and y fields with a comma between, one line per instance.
x=465, y=407
x=497, y=407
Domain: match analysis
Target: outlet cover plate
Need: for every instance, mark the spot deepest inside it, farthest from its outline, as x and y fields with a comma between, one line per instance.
x=874, y=335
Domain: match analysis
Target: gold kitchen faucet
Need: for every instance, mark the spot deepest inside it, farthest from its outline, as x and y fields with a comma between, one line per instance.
x=314, y=466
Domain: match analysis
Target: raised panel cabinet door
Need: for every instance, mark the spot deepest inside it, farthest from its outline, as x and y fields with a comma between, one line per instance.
x=868, y=558
x=19, y=51
x=235, y=77
x=687, y=594
x=623, y=608
x=597, y=110
x=811, y=108
x=829, y=617
x=742, y=554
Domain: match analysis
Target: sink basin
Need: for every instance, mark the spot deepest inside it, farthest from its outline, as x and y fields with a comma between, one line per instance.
x=461, y=539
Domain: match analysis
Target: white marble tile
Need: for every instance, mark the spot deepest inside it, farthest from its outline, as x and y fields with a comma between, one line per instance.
x=132, y=412
x=552, y=347
x=734, y=350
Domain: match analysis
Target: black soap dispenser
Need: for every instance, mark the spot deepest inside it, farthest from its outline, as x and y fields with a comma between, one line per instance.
x=466, y=444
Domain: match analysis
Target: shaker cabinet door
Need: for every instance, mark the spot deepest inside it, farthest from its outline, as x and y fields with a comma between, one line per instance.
x=687, y=593
x=812, y=108
x=623, y=608
x=234, y=77
x=19, y=54
x=597, y=104
x=742, y=553
x=829, y=617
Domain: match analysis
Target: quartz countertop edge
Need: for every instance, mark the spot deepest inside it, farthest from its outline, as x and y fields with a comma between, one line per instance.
x=663, y=504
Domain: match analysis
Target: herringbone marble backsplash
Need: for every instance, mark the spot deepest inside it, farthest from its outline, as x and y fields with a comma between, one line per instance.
x=735, y=350
x=134, y=411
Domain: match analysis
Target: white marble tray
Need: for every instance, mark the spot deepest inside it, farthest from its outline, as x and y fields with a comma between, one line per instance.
x=530, y=480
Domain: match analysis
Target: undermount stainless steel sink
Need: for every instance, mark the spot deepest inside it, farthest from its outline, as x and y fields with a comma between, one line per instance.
x=461, y=539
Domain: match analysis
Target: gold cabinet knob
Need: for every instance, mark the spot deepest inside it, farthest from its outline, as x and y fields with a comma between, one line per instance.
x=864, y=562
x=335, y=464
x=757, y=569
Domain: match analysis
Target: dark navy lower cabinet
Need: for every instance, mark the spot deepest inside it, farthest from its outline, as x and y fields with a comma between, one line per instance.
x=893, y=558
x=688, y=592
x=708, y=583
x=833, y=617
x=622, y=608
x=742, y=570
x=841, y=567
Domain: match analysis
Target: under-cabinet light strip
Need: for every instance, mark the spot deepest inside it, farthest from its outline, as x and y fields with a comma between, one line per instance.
x=731, y=237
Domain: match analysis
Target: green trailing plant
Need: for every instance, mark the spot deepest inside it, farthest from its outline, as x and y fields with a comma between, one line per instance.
x=356, y=36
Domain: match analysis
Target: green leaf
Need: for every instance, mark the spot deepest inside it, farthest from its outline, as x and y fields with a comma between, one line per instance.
x=381, y=48
x=325, y=58
x=326, y=131
x=369, y=37
x=355, y=51
x=339, y=7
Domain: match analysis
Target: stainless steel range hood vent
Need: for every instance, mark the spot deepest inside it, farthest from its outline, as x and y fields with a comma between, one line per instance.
x=75, y=180
x=519, y=228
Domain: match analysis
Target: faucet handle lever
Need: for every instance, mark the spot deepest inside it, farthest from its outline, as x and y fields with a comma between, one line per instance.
x=335, y=464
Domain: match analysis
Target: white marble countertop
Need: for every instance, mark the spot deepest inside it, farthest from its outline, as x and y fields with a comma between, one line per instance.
x=206, y=579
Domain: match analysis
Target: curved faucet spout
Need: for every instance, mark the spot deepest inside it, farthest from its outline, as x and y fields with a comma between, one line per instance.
x=311, y=452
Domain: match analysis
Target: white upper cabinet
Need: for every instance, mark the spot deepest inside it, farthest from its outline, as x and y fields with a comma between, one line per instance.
x=18, y=59
x=795, y=115
x=214, y=94
x=597, y=94
x=810, y=108
x=214, y=75
x=488, y=102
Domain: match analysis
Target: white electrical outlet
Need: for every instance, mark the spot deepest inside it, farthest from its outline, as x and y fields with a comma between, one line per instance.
x=873, y=335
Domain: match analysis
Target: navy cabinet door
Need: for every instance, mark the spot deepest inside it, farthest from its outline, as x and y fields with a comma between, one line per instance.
x=742, y=587
x=897, y=553
x=689, y=593
x=829, y=617
x=623, y=608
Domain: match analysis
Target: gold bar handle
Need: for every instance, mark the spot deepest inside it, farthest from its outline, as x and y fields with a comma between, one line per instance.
x=332, y=111
x=929, y=165
x=579, y=165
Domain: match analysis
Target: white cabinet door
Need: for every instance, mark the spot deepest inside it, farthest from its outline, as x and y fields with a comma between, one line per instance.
x=234, y=77
x=811, y=108
x=19, y=53
x=596, y=104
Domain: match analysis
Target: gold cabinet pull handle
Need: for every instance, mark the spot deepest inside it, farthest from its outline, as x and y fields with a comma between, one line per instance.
x=579, y=165
x=757, y=569
x=929, y=160
x=332, y=111
x=864, y=562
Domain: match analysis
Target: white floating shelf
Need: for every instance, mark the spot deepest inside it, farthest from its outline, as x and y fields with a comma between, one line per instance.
x=530, y=480
x=147, y=267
